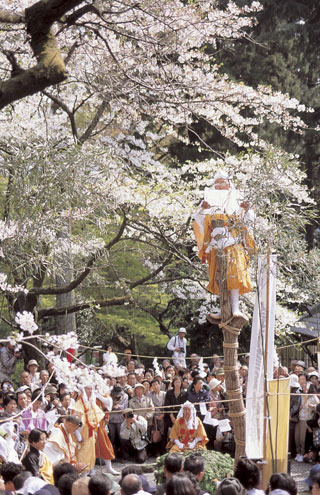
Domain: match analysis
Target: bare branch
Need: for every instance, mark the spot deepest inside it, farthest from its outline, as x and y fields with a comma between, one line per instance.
x=114, y=301
x=94, y=122
x=77, y=281
x=66, y=109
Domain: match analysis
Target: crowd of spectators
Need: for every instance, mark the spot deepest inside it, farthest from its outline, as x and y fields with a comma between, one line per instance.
x=142, y=410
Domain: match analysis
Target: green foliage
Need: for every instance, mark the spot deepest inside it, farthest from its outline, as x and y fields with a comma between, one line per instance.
x=218, y=467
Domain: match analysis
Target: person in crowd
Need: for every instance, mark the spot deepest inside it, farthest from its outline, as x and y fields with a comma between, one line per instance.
x=140, y=401
x=248, y=473
x=99, y=485
x=134, y=438
x=35, y=460
x=174, y=397
x=109, y=357
x=8, y=471
x=147, y=389
x=295, y=402
x=43, y=378
x=196, y=465
x=172, y=465
x=149, y=375
x=91, y=416
x=131, y=380
x=131, y=484
x=8, y=360
x=158, y=397
x=313, y=377
x=194, y=361
x=104, y=448
x=19, y=481
x=22, y=400
x=61, y=469
x=126, y=358
x=64, y=407
x=25, y=379
x=131, y=366
x=60, y=446
x=119, y=404
x=33, y=368
x=9, y=406
x=66, y=482
x=187, y=432
x=307, y=406
x=35, y=417
x=230, y=486
x=122, y=379
x=134, y=469
x=283, y=481
x=178, y=346
x=198, y=394
x=180, y=485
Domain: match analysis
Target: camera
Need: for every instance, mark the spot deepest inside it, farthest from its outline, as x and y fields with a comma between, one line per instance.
x=145, y=438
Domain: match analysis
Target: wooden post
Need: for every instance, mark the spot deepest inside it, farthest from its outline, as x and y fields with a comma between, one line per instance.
x=231, y=328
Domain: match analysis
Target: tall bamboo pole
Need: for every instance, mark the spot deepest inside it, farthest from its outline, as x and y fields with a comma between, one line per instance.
x=231, y=328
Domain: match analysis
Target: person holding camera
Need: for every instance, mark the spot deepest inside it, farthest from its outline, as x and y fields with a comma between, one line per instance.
x=8, y=360
x=133, y=433
x=178, y=346
x=120, y=403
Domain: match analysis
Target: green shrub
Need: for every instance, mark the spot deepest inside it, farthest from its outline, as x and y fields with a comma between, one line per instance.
x=218, y=467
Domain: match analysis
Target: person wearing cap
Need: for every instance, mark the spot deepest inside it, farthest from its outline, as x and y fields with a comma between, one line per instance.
x=223, y=223
x=140, y=401
x=60, y=446
x=178, y=346
x=187, y=432
x=33, y=367
x=314, y=379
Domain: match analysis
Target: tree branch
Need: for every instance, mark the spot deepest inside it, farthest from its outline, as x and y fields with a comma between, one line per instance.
x=94, y=122
x=77, y=281
x=69, y=112
x=114, y=301
x=151, y=275
x=50, y=68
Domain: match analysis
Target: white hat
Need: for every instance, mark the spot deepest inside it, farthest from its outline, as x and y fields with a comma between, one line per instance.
x=182, y=330
x=214, y=383
x=294, y=381
x=313, y=373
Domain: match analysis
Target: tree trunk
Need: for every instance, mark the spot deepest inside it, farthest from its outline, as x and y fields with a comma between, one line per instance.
x=67, y=322
x=231, y=328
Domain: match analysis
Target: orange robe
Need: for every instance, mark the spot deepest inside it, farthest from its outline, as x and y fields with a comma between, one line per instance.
x=180, y=432
x=104, y=449
x=237, y=259
x=90, y=417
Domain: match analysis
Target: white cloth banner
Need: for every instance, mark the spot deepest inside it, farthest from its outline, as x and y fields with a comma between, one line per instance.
x=256, y=386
